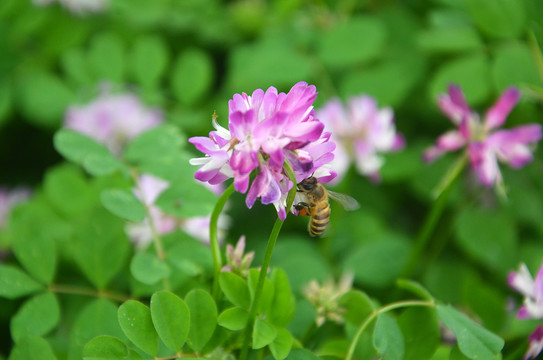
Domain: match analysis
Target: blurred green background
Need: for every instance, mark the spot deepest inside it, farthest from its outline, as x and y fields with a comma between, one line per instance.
x=188, y=57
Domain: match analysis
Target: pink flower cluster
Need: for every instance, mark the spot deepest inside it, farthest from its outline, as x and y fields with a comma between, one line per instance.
x=265, y=129
x=485, y=144
x=532, y=290
x=361, y=132
x=113, y=119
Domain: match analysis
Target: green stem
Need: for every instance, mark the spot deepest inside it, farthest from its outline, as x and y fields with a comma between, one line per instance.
x=442, y=192
x=373, y=315
x=266, y=263
x=214, y=239
x=80, y=290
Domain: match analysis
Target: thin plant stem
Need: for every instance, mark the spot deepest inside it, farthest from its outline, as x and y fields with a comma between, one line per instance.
x=442, y=192
x=373, y=315
x=81, y=290
x=214, y=239
x=266, y=263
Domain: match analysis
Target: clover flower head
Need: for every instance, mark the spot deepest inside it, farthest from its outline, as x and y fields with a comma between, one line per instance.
x=112, y=119
x=147, y=191
x=325, y=298
x=237, y=261
x=484, y=142
x=265, y=129
x=9, y=198
x=362, y=132
x=79, y=7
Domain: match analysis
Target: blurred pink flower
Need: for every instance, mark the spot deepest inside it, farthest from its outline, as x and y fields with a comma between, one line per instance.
x=536, y=343
x=112, y=119
x=265, y=129
x=79, y=7
x=237, y=261
x=148, y=190
x=532, y=290
x=485, y=144
x=9, y=198
x=361, y=132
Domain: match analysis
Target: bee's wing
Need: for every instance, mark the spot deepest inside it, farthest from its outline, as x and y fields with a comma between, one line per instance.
x=348, y=202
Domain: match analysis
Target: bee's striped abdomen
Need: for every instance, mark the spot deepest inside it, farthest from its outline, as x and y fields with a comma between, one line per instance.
x=319, y=220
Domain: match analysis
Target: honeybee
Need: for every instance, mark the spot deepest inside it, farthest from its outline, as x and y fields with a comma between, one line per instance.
x=315, y=204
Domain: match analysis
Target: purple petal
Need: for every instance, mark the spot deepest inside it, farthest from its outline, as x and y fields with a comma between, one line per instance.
x=241, y=183
x=450, y=141
x=496, y=115
x=309, y=131
x=484, y=163
x=203, y=144
x=536, y=343
x=512, y=146
x=242, y=124
x=454, y=104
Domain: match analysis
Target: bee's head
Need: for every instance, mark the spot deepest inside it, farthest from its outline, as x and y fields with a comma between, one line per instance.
x=307, y=184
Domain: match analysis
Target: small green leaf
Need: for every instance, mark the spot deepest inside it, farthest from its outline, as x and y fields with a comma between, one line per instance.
x=15, y=283
x=162, y=141
x=358, y=306
x=267, y=290
x=105, y=348
x=192, y=76
x=187, y=200
x=149, y=60
x=388, y=339
x=124, y=204
x=171, y=318
x=106, y=57
x=421, y=332
x=234, y=318
x=474, y=341
x=280, y=347
x=37, y=316
x=29, y=346
x=283, y=305
x=203, y=318
x=148, y=269
x=135, y=320
x=343, y=46
x=100, y=247
x=74, y=64
x=102, y=164
x=264, y=333
x=76, y=147
x=235, y=289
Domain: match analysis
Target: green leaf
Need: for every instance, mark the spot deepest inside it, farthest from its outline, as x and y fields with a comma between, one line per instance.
x=450, y=40
x=124, y=204
x=171, y=318
x=388, y=338
x=378, y=263
x=498, y=18
x=105, y=348
x=280, y=347
x=203, y=318
x=83, y=150
x=29, y=346
x=159, y=142
x=36, y=316
x=99, y=317
x=135, y=320
x=474, y=341
x=106, y=57
x=302, y=354
x=421, y=332
x=487, y=302
x=15, y=283
x=358, y=306
x=67, y=189
x=267, y=290
x=43, y=98
x=487, y=236
x=283, y=305
x=343, y=45
x=187, y=200
x=74, y=64
x=192, y=76
x=149, y=60
x=514, y=64
x=148, y=269
x=470, y=72
x=264, y=333
x=235, y=289
x=101, y=247
x=234, y=318
x=36, y=251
